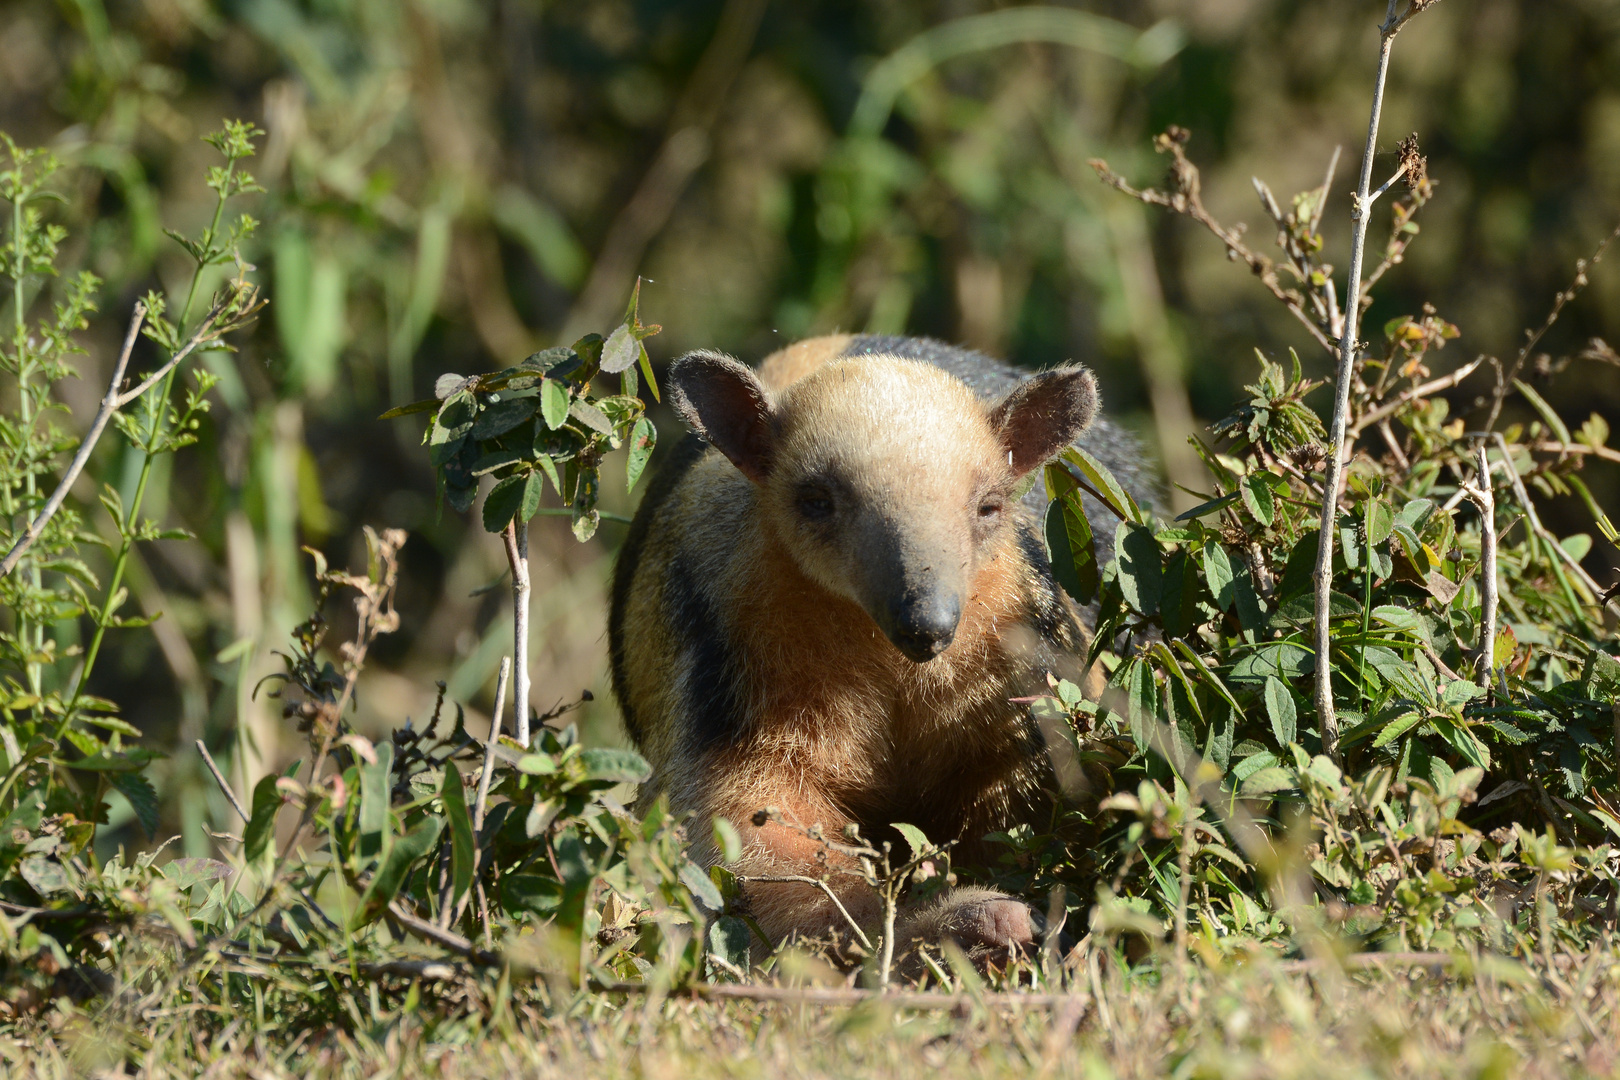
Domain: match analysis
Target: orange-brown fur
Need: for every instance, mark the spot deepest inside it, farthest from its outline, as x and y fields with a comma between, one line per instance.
x=843, y=728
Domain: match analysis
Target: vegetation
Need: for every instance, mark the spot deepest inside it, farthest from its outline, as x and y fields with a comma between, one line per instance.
x=1422, y=874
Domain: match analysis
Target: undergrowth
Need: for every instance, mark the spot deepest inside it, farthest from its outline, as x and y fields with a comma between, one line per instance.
x=1225, y=839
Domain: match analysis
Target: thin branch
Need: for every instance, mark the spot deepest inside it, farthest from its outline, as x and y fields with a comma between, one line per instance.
x=1480, y=493
x=110, y=403
x=1581, y=280
x=489, y=746
x=1550, y=447
x=801, y=879
x=207, y=331
x=1433, y=386
x=224, y=785
x=1186, y=199
x=516, y=539
x=1345, y=376
x=438, y=935
x=1597, y=591
x=1375, y=196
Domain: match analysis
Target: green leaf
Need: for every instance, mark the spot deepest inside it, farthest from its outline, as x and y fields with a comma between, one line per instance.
x=1258, y=498
x=261, y=826
x=1103, y=480
x=1398, y=617
x=702, y=888
x=730, y=940
x=915, y=837
x=1464, y=741
x=550, y=469
x=534, y=487
x=611, y=765
x=1069, y=547
x=501, y=417
x=1282, y=659
x=1140, y=574
x=621, y=351
x=1270, y=779
x=463, y=846
x=1210, y=507
x=503, y=502
x=1218, y=574
x=396, y=866
x=1380, y=520
x=142, y=798
x=530, y=893
x=553, y=403
x=1545, y=411
x=425, y=405
x=727, y=841
x=376, y=792
x=1397, y=727
x=495, y=459
x=1208, y=675
x=643, y=437
x=591, y=417
x=1178, y=607
x=1280, y=707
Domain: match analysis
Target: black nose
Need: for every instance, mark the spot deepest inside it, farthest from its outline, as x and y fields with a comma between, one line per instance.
x=924, y=626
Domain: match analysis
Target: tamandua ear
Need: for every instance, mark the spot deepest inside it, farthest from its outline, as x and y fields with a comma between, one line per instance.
x=1044, y=415
x=724, y=401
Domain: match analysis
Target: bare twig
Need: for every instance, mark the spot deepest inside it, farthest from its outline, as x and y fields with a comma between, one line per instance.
x=109, y=405
x=489, y=746
x=1434, y=386
x=1481, y=494
x=802, y=879
x=1334, y=477
x=1551, y=447
x=516, y=539
x=1545, y=535
x=1533, y=338
x=449, y=939
x=921, y=1000
x=224, y=785
x=1187, y=199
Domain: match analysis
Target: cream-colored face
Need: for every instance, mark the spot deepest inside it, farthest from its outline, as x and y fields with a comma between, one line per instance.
x=887, y=480
x=890, y=488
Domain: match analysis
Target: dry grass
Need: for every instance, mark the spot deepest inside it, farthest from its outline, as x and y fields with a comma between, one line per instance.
x=1262, y=1019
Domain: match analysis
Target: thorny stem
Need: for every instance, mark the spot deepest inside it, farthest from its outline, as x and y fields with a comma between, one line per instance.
x=516, y=538
x=1341, y=404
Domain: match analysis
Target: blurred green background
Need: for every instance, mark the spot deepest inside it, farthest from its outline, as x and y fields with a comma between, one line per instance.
x=452, y=184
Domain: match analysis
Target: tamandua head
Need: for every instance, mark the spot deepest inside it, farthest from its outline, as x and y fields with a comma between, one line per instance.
x=887, y=480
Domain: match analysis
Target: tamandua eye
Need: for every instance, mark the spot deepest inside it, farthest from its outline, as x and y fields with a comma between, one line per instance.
x=814, y=504
x=989, y=508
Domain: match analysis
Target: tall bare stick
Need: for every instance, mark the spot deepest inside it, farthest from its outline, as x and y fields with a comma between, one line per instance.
x=1360, y=211
x=516, y=538
x=1483, y=497
x=489, y=746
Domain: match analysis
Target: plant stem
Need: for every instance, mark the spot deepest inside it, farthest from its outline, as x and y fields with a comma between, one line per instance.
x=132, y=512
x=516, y=538
x=109, y=404
x=1341, y=404
x=1486, y=501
